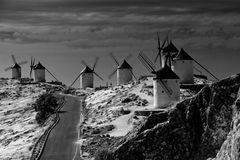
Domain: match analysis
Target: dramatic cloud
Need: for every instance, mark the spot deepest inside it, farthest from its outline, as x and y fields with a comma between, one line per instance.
x=91, y=27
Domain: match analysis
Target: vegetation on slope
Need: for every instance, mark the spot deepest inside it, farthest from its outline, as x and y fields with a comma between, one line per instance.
x=45, y=105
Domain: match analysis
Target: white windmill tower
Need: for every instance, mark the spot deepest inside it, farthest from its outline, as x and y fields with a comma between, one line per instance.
x=182, y=65
x=123, y=70
x=16, y=68
x=166, y=88
x=39, y=72
x=87, y=75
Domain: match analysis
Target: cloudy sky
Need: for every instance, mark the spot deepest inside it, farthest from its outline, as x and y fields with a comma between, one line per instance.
x=60, y=33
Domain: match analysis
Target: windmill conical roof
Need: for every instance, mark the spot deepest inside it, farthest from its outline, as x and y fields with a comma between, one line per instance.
x=183, y=55
x=39, y=66
x=16, y=66
x=166, y=73
x=87, y=70
x=125, y=65
x=170, y=48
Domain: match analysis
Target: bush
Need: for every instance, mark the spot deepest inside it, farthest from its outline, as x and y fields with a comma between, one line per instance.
x=45, y=106
x=40, y=118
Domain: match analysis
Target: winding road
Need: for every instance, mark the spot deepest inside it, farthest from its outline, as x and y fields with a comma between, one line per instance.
x=61, y=143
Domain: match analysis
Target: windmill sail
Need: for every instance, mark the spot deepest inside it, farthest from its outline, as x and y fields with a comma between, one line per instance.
x=114, y=59
x=14, y=59
x=15, y=63
x=166, y=88
x=95, y=63
x=32, y=65
x=112, y=73
x=128, y=57
x=133, y=75
x=146, y=62
x=52, y=75
x=98, y=76
x=75, y=79
x=7, y=69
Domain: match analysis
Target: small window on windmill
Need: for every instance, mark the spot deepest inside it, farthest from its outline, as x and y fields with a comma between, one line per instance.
x=165, y=81
x=162, y=91
x=182, y=61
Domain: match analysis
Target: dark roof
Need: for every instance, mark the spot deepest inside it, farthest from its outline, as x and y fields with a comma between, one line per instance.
x=87, y=70
x=182, y=55
x=39, y=66
x=171, y=48
x=125, y=65
x=16, y=66
x=166, y=73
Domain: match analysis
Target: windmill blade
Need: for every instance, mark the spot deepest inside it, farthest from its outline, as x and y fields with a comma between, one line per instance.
x=206, y=69
x=166, y=88
x=112, y=73
x=164, y=42
x=75, y=79
x=158, y=55
x=32, y=62
x=7, y=69
x=114, y=59
x=31, y=72
x=22, y=63
x=128, y=57
x=149, y=67
x=52, y=75
x=198, y=70
x=84, y=63
x=14, y=59
x=133, y=75
x=98, y=76
x=95, y=63
x=32, y=66
x=144, y=63
x=158, y=41
x=167, y=38
x=149, y=62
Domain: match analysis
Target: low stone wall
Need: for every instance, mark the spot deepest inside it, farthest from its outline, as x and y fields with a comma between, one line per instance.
x=193, y=87
x=147, y=113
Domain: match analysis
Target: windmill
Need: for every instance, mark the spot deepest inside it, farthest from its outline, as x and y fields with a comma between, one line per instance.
x=123, y=70
x=39, y=71
x=182, y=65
x=87, y=75
x=165, y=83
x=160, y=49
x=169, y=52
x=16, y=68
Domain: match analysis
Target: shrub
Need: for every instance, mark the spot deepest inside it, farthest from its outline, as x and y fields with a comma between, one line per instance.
x=40, y=118
x=45, y=106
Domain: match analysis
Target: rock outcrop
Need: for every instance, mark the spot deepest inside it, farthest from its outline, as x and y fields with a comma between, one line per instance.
x=195, y=129
x=230, y=149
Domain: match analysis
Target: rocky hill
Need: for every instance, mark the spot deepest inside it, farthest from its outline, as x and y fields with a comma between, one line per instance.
x=199, y=128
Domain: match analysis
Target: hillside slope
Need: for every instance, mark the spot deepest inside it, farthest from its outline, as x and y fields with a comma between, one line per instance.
x=19, y=130
x=196, y=129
